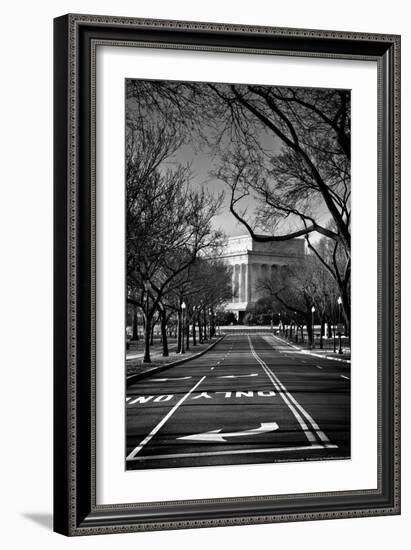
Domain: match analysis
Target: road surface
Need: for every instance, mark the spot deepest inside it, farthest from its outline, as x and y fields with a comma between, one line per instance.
x=251, y=399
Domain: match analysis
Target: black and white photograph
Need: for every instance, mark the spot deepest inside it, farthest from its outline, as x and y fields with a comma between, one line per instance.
x=237, y=321
x=205, y=199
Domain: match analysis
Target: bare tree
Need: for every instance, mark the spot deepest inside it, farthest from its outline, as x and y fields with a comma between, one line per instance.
x=287, y=147
x=168, y=222
x=301, y=178
x=297, y=288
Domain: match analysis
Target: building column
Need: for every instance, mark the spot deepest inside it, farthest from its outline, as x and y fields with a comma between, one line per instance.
x=233, y=283
x=240, y=286
x=243, y=283
x=236, y=283
x=256, y=276
x=248, y=283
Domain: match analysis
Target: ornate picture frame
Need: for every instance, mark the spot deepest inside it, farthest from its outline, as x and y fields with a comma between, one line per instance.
x=76, y=40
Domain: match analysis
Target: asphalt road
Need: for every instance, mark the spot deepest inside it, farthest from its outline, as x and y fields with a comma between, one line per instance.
x=251, y=399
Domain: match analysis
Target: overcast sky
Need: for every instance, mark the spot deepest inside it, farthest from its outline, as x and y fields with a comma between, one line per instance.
x=202, y=163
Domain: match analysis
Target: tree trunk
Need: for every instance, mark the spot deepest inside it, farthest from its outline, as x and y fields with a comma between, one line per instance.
x=309, y=329
x=321, y=334
x=187, y=334
x=212, y=329
x=135, y=324
x=147, y=335
x=179, y=332
x=163, y=325
x=194, y=332
x=346, y=308
x=346, y=311
x=200, y=330
x=205, y=325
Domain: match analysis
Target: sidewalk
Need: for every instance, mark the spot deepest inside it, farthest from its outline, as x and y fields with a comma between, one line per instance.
x=326, y=353
x=138, y=353
x=135, y=365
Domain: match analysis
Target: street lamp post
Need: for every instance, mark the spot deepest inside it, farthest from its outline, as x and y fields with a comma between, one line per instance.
x=183, y=307
x=339, y=301
x=194, y=326
x=312, y=327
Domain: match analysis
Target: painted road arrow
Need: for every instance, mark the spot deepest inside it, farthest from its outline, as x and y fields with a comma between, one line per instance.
x=217, y=436
x=238, y=375
x=167, y=379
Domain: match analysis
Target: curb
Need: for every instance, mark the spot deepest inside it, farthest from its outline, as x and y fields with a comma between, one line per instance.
x=313, y=354
x=326, y=357
x=135, y=377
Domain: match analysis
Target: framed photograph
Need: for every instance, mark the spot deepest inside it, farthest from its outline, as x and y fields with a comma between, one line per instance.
x=227, y=275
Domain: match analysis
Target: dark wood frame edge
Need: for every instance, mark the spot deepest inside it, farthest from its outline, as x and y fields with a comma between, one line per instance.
x=75, y=510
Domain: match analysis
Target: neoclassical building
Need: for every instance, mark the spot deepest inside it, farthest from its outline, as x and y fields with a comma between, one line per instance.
x=251, y=261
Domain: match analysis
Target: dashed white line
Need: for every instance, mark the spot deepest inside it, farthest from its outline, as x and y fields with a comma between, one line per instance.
x=346, y=377
x=318, y=367
x=170, y=379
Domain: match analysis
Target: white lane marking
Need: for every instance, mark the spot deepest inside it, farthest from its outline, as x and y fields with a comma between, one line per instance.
x=346, y=377
x=238, y=452
x=327, y=357
x=310, y=436
x=153, y=432
x=167, y=379
x=212, y=368
x=279, y=341
x=313, y=423
x=216, y=435
x=238, y=375
x=306, y=352
x=308, y=417
x=318, y=367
